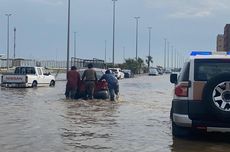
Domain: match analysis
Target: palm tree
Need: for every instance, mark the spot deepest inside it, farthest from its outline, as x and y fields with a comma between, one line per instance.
x=149, y=60
x=140, y=63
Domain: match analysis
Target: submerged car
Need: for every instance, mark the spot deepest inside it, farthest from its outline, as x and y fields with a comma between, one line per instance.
x=201, y=95
x=101, y=88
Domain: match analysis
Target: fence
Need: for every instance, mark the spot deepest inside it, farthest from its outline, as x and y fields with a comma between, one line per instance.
x=79, y=63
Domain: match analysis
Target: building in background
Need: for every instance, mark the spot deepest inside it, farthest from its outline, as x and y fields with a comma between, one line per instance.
x=220, y=43
x=227, y=37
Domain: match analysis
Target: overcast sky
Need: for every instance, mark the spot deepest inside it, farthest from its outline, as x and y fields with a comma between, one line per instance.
x=42, y=27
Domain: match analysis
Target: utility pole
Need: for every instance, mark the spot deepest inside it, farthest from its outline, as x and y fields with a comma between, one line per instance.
x=137, y=18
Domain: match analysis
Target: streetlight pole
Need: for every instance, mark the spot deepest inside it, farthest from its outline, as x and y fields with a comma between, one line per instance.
x=105, y=50
x=75, y=41
x=168, y=55
x=172, y=58
x=149, y=39
x=68, y=33
x=14, y=41
x=165, y=53
x=114, y=2
x=136, y=35
x=149, y=45
x=8, y=39
x=124, y=54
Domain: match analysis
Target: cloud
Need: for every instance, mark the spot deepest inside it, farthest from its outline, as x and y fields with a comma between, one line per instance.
x=189, y=8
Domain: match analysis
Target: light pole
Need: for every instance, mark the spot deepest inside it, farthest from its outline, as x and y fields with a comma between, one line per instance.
x=168, y=55
x=149, y=46
x=8, y=39
x=75, y=41
x=124, y=53
x=165, y=54
x=149, y=39
x=105, y=50
x=14, y=41
x=172, y=58
x=136, y=35
x=68, y=33
x=114, y=2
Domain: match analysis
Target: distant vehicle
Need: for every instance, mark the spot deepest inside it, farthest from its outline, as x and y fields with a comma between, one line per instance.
x=201, y=95
x=128, y=73
x=101, y=89
x=118, y=73
x=168, y=71
x=160, y=70
x=24, y=76
x=153, y=71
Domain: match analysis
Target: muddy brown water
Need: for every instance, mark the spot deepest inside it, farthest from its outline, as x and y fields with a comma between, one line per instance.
x=42, y=120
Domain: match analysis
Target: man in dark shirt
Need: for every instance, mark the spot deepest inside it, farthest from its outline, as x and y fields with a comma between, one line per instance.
x=73, y=80
x=112, y=84
x=90, y=77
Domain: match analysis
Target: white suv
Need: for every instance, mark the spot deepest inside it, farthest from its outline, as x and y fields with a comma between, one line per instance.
x=202, y=95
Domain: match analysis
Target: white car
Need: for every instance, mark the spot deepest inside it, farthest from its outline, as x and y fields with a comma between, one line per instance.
x=153, y=71
x=118, y=73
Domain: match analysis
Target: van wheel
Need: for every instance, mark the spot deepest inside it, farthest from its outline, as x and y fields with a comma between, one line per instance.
x=179, y=131
x=34, y=84
x=216, y=96
x=52, y=83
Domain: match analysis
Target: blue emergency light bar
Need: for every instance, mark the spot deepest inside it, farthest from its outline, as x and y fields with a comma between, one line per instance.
x=194, y=53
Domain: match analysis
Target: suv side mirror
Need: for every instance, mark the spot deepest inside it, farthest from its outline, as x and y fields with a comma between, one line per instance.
x=173, y=78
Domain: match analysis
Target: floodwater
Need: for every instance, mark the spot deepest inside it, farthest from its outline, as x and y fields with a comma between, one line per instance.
x=42, y=120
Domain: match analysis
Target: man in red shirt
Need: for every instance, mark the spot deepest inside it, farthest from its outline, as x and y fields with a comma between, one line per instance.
x=73, y=81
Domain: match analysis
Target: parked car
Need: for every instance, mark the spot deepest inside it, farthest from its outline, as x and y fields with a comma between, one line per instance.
x=128, y=73
x=118, y=73
x=153, y=71
x=160, y=70
x=101, y=89
x=201, y=95
x=168, y=71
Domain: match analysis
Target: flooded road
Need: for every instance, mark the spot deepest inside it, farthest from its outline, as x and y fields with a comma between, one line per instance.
x=43, y=120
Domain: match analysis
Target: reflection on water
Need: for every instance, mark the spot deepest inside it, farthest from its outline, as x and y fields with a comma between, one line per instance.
x=43, y=120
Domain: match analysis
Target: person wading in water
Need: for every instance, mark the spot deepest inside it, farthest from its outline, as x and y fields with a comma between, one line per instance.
x=73, y=80
x=90, y=77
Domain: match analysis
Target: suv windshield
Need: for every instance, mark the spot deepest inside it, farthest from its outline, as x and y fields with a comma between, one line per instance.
x=208, y=68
